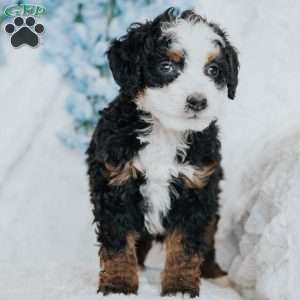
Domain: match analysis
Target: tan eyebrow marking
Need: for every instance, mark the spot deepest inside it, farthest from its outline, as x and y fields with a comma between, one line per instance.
x=212, y=56
x=175, y=55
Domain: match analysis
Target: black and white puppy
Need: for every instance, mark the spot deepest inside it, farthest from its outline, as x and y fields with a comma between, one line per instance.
x=154, y=159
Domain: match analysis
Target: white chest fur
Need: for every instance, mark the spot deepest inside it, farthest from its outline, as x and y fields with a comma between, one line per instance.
x=157, y=161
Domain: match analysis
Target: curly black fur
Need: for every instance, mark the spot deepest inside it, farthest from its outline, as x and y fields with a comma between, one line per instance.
x=117, y=209
x=120, y=209
x=192, y=209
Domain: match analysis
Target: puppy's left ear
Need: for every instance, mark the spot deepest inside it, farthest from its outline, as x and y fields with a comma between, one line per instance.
x=233, y=66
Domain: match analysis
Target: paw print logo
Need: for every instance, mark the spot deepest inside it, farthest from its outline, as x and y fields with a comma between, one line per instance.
x=24, y=33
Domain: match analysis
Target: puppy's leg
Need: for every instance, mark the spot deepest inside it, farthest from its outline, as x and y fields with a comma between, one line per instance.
x=210, y=268
x=143, y=246
x=182, y=270
x=117, y=216
x=119, y=269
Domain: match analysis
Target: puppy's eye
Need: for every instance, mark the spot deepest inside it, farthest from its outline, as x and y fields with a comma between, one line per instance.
x=213, y=70
x=166, y=67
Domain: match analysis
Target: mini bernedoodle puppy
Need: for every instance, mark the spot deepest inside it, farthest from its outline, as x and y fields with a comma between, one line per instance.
x=154, y=158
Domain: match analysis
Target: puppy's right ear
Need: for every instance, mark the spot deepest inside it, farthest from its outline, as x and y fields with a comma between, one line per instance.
x=124, y=61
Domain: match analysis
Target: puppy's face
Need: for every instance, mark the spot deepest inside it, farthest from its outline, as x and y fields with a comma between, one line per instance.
x=180, y=69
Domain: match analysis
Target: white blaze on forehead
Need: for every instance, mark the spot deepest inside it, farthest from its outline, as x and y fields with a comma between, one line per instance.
x=196, y=39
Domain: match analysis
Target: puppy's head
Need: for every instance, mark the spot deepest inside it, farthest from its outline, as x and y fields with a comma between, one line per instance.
x=178, y=68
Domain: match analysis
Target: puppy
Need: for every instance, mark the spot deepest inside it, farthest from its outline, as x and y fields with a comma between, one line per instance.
x=154, y=158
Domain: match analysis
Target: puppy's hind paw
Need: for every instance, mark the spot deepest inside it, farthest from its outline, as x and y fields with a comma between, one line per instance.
x=223, y=281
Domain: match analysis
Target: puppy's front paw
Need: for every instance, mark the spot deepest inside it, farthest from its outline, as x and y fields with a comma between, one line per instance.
x=183, y=294
x=174, y=283
x=118, y=283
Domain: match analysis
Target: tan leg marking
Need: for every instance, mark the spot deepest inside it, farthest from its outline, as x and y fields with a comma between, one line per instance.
x=119, y=270
x=182, y=272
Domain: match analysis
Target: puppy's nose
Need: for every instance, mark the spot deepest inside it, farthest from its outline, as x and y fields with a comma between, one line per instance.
x=196, y=102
